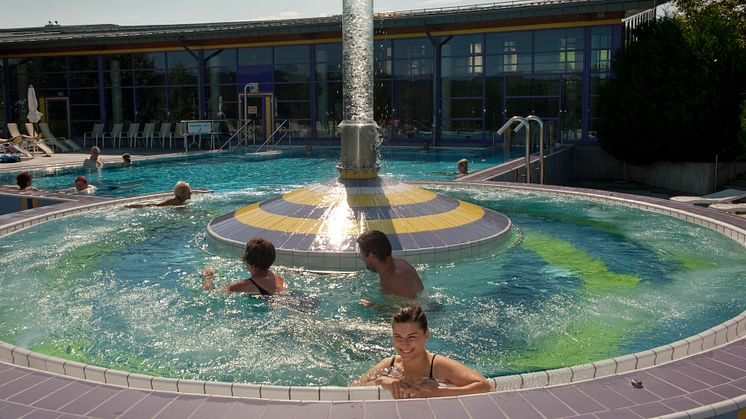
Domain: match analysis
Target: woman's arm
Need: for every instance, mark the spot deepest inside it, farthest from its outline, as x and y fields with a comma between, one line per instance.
x=370, y=377
x=464, y=380
x=207, y=275
x=375, y=377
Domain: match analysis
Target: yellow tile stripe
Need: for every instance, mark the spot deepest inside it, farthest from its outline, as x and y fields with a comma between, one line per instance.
x=316, y=199
x=255, y=216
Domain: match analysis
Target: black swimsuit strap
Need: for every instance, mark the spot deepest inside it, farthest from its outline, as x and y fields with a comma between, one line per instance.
x=432, y=362
x=262, y=291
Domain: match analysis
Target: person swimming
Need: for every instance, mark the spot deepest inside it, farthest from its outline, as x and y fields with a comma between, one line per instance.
x=415, y=372
x=182, y=193
x=82, y=186
x=258, y=257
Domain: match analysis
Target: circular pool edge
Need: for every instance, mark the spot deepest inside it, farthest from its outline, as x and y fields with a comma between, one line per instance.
x=726, y=332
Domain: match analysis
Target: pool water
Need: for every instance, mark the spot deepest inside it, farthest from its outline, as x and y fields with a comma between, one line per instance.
x=577, y=282
x=235, y=171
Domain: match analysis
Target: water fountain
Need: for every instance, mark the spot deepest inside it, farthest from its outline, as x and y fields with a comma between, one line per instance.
x=316, y=227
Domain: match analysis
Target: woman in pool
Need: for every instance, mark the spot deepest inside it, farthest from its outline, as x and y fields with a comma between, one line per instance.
x=23, y=180
x=259, y=256
x=415, y=372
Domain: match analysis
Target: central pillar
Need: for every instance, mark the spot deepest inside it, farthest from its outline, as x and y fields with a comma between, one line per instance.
x=358, y=130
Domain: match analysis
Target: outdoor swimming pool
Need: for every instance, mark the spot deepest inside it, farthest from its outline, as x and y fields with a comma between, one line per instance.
x=235, y=171
x=577, y=282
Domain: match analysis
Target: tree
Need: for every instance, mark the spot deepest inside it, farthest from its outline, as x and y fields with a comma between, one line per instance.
x=679, y=90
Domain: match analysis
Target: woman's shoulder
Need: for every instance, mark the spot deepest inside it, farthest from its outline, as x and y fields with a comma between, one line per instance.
x=239, y=286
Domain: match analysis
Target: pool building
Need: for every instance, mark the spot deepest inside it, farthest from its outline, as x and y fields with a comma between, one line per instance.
x=451, y=76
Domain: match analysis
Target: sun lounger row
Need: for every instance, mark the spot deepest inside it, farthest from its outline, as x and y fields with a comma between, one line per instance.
x=150, y=134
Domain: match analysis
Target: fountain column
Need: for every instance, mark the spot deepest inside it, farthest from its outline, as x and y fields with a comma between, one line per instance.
x=358, y=130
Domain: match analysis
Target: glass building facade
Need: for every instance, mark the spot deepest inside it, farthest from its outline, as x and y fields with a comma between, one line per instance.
x=462, y=86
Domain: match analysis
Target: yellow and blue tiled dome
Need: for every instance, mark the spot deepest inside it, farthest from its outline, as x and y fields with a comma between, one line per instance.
x=316, y=227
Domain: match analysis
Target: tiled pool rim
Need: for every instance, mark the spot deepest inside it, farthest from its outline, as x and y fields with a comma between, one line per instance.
x=728, y=331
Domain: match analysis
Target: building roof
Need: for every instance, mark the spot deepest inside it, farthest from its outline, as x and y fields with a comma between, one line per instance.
x=53, y=38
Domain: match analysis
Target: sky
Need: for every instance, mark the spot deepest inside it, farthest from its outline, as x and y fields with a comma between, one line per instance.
x=30, y=13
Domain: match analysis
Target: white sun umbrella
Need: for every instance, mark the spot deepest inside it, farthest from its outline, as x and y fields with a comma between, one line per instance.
x=33, y=106
x=220, y=107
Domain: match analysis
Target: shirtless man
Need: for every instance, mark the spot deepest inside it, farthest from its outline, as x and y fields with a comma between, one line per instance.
x=397, y=276
x=93, y=162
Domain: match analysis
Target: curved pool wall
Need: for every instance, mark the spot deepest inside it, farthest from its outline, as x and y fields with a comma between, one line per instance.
x=734, y=329
x=316, y=227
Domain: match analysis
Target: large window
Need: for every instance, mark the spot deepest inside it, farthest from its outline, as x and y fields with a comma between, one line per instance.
x=181, y=94
x=84, y=94
x=558, y=50
x=220, y=81
x=462, y=70
x=601, y=43
x=509, y=52
x=292, y=74
x=329, y=112
x=412, y=87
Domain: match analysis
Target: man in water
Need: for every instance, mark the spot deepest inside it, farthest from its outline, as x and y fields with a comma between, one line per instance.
x=93, y=162
x=397, y=276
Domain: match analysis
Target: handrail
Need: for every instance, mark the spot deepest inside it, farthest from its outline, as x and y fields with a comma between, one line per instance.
x=522, y=123
x=241, y=130
x=541, y=144
x=271, y=136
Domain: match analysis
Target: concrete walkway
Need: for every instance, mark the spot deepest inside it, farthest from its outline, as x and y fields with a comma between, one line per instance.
x=703, y=384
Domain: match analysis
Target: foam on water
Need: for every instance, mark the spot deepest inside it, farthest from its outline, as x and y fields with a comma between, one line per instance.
x=121, y=288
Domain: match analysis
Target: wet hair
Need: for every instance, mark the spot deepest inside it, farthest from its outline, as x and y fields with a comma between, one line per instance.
x=260, y=253
x=126, y=157
x=181, y=189
x=376, y=242
x=81, y=178
x=23, y=180
x=95, y=149
x=411, y=314
x=463, y=164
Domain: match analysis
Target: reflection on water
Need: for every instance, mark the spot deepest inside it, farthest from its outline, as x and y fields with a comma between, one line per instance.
x=580, y=282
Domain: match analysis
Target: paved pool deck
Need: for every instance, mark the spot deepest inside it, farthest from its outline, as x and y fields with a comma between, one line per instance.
x=702, y=385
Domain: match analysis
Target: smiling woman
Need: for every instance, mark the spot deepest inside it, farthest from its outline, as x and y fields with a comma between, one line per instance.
x=415, y=372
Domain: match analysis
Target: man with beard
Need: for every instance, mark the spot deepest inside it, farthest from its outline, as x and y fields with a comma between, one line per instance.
x=397, y=276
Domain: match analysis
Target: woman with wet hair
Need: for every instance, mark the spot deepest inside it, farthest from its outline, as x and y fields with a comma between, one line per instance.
x=23, y=180
x=415, y=372
x=259, y=256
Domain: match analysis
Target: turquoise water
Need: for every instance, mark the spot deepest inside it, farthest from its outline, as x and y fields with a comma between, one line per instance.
x=577, y=282
x=237, y=171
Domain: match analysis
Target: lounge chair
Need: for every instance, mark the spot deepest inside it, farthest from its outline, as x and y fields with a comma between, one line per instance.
x=47, y=134
x=726, y=196
x=115, y=134
x=9, y=148
x=28, y=142
x=165, y=133
x=147, y=133
x=133, y=132
x=734, y=208
x=96, y=133
x=53, y=142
